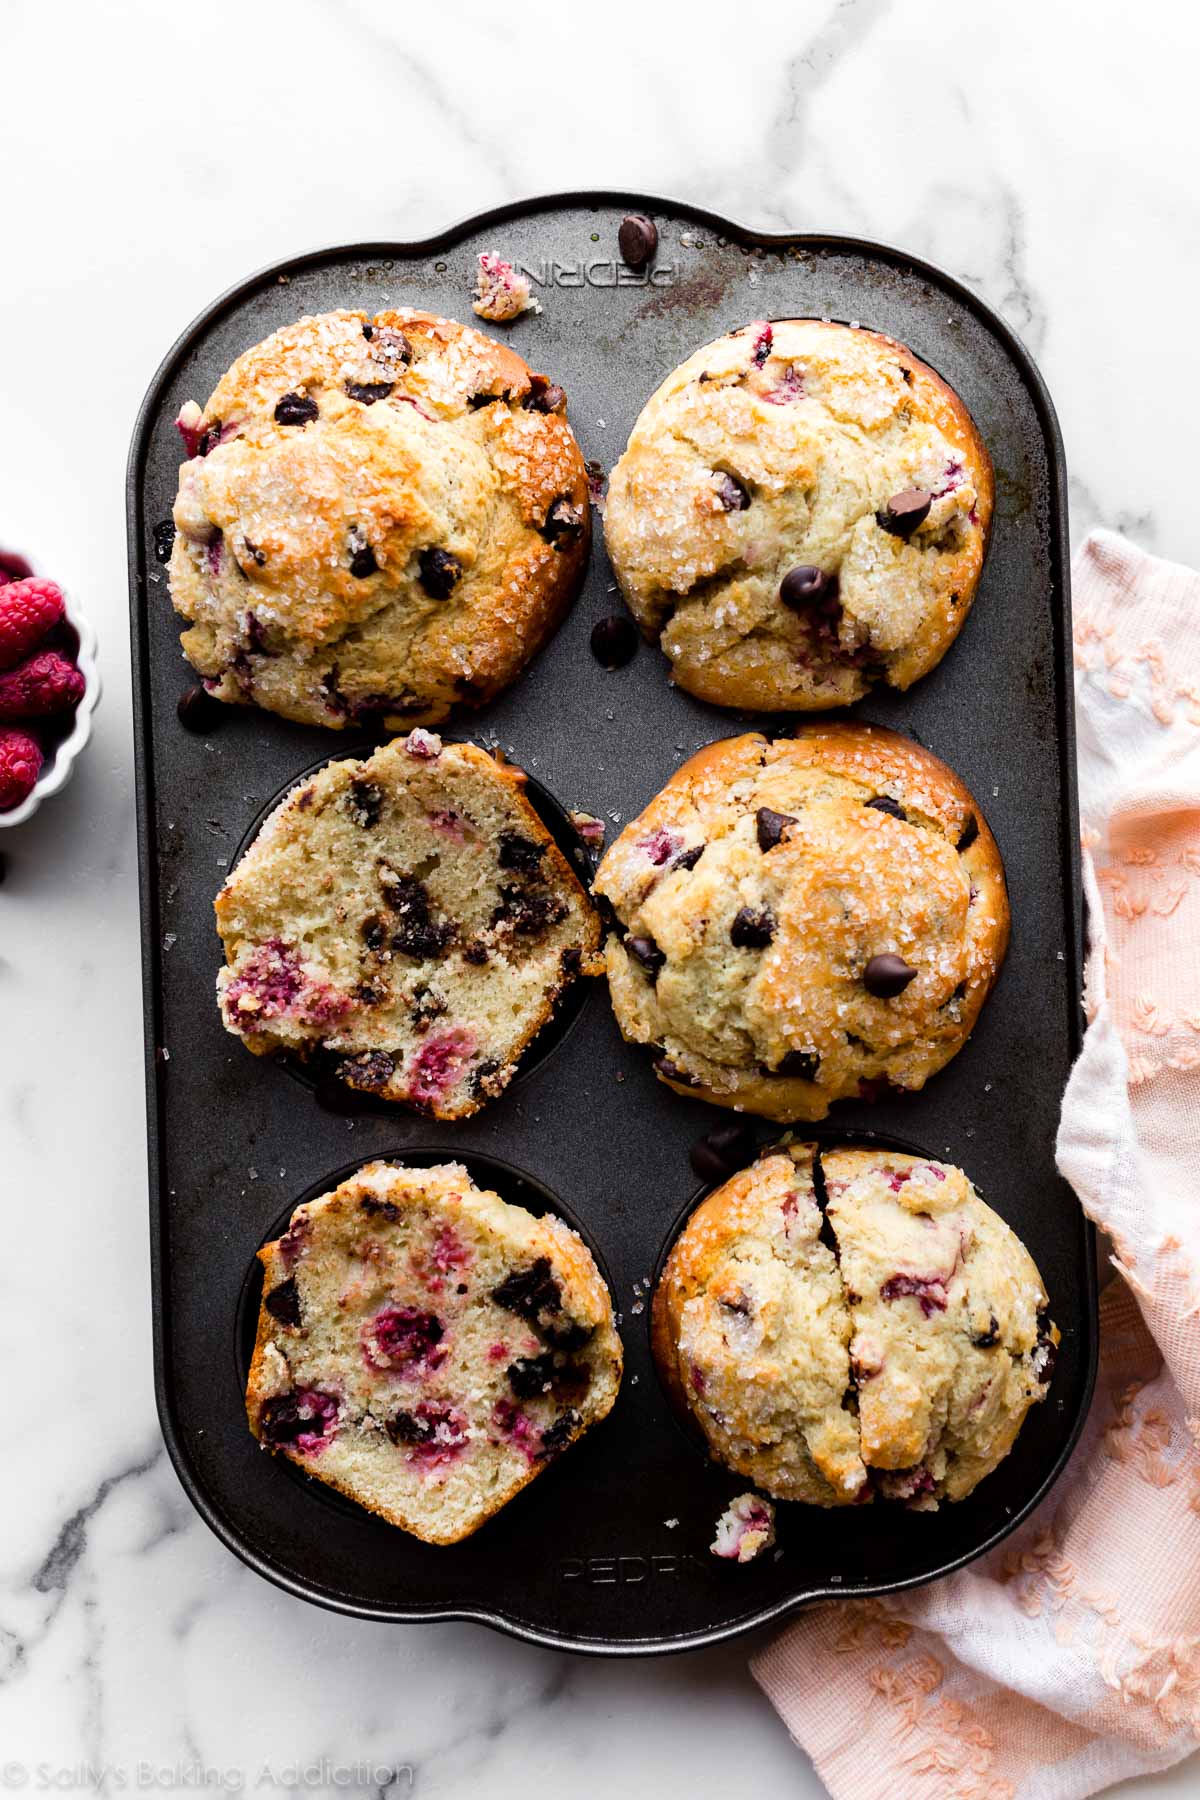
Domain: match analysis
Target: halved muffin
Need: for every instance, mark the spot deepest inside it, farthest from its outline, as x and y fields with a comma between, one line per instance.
x=427, y=1348
x=410, y=915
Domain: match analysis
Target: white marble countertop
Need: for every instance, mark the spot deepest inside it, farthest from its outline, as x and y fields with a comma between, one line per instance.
x=153, y=155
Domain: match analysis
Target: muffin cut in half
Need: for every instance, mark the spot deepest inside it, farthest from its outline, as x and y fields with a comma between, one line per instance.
x=804, y=920
x=426, y=1348
x=846, y=1324
x=410, y=915
x=379, y=518
x=802, y=511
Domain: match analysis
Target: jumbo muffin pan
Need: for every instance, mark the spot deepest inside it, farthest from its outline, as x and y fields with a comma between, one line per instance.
x=608, y=1550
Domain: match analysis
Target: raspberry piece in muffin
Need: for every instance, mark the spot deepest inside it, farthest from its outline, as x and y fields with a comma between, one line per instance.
x=804, y=920
x=370, y=521
x=850, y=1324
x=802, y=511
x=409, y=914
x=391, y=1364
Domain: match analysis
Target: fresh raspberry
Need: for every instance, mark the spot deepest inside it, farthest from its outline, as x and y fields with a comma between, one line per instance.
x=28, y=610
x=20, y=763
x=47, y=683
x=13, y=567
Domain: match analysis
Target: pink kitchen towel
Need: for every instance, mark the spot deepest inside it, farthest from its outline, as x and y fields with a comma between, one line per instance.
x=1069, y=1658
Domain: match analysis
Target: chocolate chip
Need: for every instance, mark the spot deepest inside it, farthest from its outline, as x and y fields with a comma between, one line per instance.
x=378, y=1209
x=197, y=711
x=440, y=573
x=564, y=523
x=645, y=951
x=732, y=495
x=519, y=852
x=531, y=1376
x=476, y=953
x=482, y=1082
x=372, y=1071
x=426, y=1007
x=752, y=930
x=985, y=1339
x=423, y=938
x=721, y=1153
x=887, y=975
x=432, y=1423
x=296, y=409
x=528, y=914
x=771, y=826
x=374, y=931
x=804, y=587
x=530, y=1293
x=637, y=237
x=364, y=800
x=363, y=563
x=164, y=540
x=368, y=331
x=368, y=392
x=885, y=804
x=607, y=911
x=614, y=640
x=544, y=396
x=671, y=1071
x=571, y=961
x=687, y=859
x=970, y=832
x=288, y=1417
x=802, y=1064
x=904, y=512
x=283, y=1302
x=558, y=1433
x=391, y=346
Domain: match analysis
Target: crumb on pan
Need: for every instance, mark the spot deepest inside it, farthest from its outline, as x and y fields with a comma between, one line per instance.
x=745, y=1529
x=501, y=292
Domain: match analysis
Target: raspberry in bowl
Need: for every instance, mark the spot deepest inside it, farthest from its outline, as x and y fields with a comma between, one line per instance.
x=49, y=686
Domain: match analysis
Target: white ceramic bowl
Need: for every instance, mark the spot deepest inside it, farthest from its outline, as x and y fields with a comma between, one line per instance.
x=57, y=771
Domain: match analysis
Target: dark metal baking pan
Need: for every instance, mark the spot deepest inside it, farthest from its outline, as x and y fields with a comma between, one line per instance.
x=585, y=1557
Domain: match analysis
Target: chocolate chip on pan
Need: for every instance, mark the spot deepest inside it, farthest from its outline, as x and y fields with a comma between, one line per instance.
x=638, y=239
x=721, y=1153
x=614, y=640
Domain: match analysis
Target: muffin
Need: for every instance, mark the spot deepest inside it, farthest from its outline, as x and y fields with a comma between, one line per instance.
x=803, y=920
x=410, y=916
x=802, y=510
x=381, y=518
x=426, y=1348
x=846, y=1324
